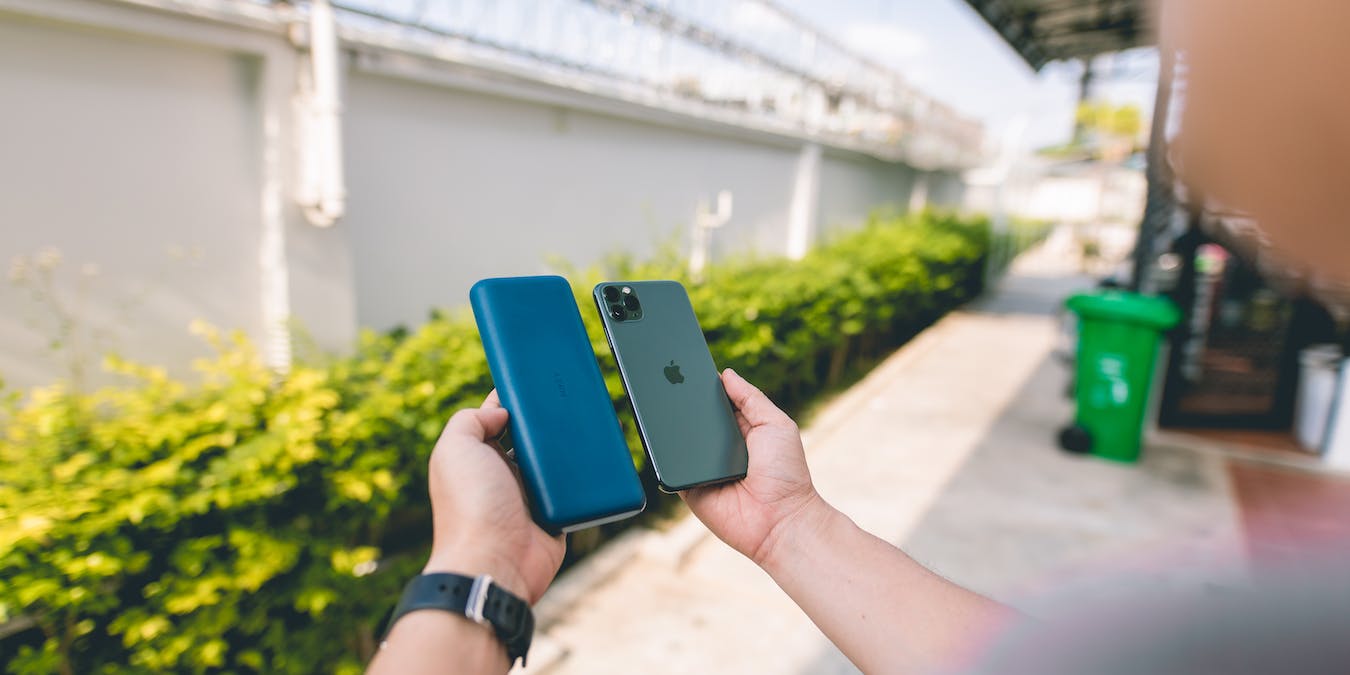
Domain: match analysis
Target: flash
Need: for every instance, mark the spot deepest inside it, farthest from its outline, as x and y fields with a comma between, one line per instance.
x=627, y=290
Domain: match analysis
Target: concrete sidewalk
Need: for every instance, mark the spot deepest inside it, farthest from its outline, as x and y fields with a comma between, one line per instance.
x=945, y=449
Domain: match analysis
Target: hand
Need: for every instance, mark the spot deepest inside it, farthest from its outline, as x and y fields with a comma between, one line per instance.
x=750, y=514
x=480, y=523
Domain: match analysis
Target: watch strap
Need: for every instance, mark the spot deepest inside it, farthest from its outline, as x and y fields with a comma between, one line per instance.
x=476, y=598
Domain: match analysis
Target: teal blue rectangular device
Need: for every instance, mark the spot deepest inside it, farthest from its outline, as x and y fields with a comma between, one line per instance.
x=573, y=458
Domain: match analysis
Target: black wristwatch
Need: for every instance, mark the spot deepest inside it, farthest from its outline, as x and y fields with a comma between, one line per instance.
x=478, y=599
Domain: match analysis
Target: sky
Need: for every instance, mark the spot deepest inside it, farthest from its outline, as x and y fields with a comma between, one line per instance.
x=945, y=49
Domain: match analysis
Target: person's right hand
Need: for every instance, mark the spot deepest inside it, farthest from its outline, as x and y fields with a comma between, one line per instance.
x=750, y=514
x=480, y=522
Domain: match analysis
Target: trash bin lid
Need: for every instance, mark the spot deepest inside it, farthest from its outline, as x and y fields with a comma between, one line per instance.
x=1155, y=312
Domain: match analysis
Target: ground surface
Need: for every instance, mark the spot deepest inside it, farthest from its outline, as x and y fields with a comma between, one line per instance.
x=946, y=449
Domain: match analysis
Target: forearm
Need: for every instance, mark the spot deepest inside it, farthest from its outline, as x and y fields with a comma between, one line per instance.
x=433, y=641
x=885, y=611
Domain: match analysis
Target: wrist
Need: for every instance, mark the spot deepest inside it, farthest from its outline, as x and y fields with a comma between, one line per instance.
x=801, y=525
x=468, y=562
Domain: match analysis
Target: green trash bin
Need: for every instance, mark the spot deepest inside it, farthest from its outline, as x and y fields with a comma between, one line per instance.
x=1118, y=335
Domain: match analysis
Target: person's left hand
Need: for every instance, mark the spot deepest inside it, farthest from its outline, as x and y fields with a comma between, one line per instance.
x=481, y=524
x=754, y=514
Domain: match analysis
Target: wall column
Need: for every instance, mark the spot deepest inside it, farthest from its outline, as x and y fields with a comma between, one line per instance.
x=804, y=207
x=275, y=302
x=918, y=195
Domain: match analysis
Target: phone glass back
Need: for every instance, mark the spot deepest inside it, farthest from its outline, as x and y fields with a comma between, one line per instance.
x=686, y=422
x=573, y=459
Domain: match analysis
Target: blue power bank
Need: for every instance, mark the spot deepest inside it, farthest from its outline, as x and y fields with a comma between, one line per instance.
x=569, y=446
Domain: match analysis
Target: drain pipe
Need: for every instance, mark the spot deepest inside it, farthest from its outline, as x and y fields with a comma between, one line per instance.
x=323, y=193
x=705, y=221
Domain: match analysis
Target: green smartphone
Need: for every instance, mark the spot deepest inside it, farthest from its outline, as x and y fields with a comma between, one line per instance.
x=684, y=417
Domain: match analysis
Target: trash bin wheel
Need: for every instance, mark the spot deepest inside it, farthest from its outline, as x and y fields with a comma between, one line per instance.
x=1076, y=439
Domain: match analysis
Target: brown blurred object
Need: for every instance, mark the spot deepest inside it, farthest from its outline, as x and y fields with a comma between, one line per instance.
x=1266, y=120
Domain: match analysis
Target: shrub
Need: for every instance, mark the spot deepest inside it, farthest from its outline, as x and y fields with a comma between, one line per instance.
x=258, y=521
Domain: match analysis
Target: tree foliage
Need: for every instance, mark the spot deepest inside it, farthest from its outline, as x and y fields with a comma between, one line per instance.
x=1102, y=117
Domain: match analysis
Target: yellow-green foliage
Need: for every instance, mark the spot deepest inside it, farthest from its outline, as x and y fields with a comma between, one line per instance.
x=1123, y=120
x=234, y=524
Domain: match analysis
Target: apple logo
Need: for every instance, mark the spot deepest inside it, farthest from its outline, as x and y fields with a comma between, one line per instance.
x=673, y=373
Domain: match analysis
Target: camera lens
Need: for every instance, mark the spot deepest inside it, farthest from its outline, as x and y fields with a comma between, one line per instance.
x=631, y=302
x=617, y=312
x=611, y=294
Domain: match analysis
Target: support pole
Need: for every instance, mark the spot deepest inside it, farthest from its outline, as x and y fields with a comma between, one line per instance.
x=1159, y=204
x=1084, y=94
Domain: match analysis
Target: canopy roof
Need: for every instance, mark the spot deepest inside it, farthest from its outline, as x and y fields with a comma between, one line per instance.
x=1042, y=31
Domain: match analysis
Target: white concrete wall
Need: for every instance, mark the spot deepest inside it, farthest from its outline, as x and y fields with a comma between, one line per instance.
x=946, y=190
x=1065, y=194
x=131, y=146
x=851, y=187
x=448, y=186
x=137, y=158
x=1092, y=196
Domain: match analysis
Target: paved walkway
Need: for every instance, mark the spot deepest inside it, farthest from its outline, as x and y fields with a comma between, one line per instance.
x=945, y=449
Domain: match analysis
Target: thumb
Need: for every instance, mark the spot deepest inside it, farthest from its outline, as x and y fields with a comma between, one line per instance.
x=757, y=409
x=479, y=424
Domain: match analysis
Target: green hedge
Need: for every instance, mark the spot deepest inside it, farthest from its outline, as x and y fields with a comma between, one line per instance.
x=263, y=522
